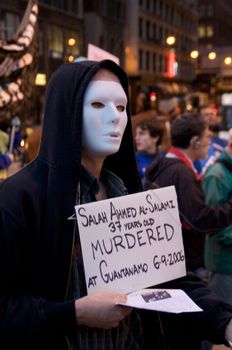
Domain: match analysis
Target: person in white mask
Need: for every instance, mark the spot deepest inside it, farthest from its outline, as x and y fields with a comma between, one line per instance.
x=104, y=122
x=86, y=154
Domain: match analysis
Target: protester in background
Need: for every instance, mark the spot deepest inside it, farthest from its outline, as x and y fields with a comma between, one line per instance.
x=217, y=144
x=178, y=110
x=140, y=102
x=6, y=158
x=86, y=154
x=190, y=138
x=148, y=137
x=217, y=186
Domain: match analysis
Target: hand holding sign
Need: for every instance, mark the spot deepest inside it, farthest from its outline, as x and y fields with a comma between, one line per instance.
x=101, y=310
x=131, y=242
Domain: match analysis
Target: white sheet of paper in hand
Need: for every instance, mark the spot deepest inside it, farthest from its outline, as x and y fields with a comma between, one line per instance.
x=164, y=300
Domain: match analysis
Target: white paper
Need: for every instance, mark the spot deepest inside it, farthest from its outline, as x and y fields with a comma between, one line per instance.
x=131, y=242
x=164, y=300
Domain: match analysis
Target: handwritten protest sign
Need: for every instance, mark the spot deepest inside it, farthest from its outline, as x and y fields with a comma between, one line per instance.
x=131, y=242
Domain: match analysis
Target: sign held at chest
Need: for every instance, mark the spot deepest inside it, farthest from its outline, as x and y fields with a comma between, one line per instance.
x=131, y=242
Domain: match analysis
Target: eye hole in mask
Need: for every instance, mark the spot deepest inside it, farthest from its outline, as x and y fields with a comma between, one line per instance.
x=99, y=105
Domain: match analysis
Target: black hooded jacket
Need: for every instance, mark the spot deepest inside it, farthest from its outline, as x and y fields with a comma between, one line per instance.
x=36, y=237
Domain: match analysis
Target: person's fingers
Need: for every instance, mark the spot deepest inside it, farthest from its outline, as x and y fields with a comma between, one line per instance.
x=120, y=298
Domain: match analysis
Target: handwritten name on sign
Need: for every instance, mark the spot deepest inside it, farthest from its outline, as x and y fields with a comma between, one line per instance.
x=131, y=242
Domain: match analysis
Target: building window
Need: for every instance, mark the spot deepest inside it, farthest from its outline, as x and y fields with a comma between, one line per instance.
x=171, y=14
x=201, y=10
x=55, y=41
x=74, y=6
x=112, y=44
x=166, y=32
x=209, y=10
x=10, y=25
x=166, y=11
x=206, y=10
x=147, y=60
x=111, y=8
x=160, y=63
x=154, y=62
x=141, y=59
x=201, y=31
x=119, y=10
x=148, y=30
x=41, y=42
x=154, y=31
x=160, y=34
x=154, y=6
x=55, y=3
x=166, y=60
x=160, y=9
x=147, y=5
x=101, y=41
x=140, y=27
x=209, y=31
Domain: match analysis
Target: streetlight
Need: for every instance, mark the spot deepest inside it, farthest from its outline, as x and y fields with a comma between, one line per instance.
x=70, y=58
x=212, y=55
x=227, y=60
x=194, y=54
x=71, y=42
x=171, y=40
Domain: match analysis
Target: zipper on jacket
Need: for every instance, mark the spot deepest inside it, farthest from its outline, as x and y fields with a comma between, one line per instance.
x=162, y=332
x=71, y=257
x=70, y=263
x=73, y=241
x=67, y=341
x=69, y=278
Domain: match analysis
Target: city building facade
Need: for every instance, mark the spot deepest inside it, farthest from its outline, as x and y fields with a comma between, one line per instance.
x=135, y=31
x=214, y=63
x=151, y=60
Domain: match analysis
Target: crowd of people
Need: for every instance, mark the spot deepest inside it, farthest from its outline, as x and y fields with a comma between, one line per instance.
x=199, y=164
x=90, y=150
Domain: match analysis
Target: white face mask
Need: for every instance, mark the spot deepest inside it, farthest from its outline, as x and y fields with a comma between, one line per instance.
x=104, y=117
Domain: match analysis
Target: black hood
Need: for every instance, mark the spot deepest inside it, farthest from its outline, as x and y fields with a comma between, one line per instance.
x=62, y=125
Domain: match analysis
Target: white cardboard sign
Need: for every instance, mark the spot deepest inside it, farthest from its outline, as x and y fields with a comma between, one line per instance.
x=131, y=242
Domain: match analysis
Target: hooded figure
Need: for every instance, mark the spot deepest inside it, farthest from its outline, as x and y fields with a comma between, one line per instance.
x=43, y=301
x=37, y=240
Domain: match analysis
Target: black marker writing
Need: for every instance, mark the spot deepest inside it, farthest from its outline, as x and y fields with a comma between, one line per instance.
x=135, y=269
x=148, y=236
x=124, y=213
x=89, y=220
x=158, y=206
